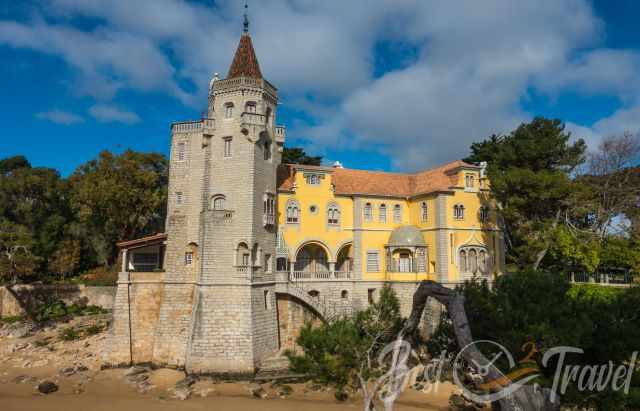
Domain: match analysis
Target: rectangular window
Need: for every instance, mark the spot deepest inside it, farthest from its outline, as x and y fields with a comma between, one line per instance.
x=397, y=214
x=245, y=259
x=382, y=213
x=267, y=263
x=312, y=179
x=145, y=262
x=188, y=258
x=227, y=147
x=373, y=261
x=181, y=151
x=179, y=198
x=469, y=181
x=368, y=212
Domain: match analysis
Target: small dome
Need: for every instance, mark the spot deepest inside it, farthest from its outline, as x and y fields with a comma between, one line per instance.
x=406, y=236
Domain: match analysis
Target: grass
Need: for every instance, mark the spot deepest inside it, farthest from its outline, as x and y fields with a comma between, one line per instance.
x=95, y=329
x=11, y=319
x=69, y=334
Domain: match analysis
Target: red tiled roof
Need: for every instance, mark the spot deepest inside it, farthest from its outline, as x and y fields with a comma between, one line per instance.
x=245, y=62
x=349, y=181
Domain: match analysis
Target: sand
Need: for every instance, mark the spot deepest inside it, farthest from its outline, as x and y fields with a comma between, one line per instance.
x=95, y=390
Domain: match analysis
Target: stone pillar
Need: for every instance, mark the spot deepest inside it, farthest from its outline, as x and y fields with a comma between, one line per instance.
x=332, y=269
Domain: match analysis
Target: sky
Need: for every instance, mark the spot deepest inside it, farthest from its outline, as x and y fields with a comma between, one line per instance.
x=397, y=85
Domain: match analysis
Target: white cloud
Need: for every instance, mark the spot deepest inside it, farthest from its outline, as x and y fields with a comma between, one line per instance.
x=111, y=114
x=60, y=117
x=475, y=62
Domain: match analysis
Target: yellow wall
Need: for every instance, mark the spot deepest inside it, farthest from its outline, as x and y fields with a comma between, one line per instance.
x=375, y=234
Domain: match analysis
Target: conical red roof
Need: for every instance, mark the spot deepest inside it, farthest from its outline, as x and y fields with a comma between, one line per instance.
x=245, y=62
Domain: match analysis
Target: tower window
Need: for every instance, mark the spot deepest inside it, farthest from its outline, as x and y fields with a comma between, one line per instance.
x=424, y=212
x=179, y=198
x=382, y=213
x=188, y=258
x=368, y=212
x=469, y=181
x=458, y=212
x=218, y=202
x=251, y=107
x=227, y=147
x=397, y=213
x=267, y=150
x=228, y=110
x=181, y=152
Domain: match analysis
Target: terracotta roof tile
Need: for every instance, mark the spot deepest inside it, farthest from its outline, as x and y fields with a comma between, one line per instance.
x=349, y=181
x=245, y=63
x=144, y=241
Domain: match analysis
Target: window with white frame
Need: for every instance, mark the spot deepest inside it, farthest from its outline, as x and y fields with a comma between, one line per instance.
x=227, y=147
x=293, y=212
x=469, y=181
x=373, y=261
x=312, y=179
x=181, y=151
x=179, y=198
x=458, y=212
x=333, y=214
x=368, y=212
x=424, y=211
x=228, y=110
x=397, y=213
x=382, y=213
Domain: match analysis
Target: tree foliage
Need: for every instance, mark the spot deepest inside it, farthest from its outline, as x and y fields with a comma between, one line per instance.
x=297, y=155
x=118, y=197
x=344, y=351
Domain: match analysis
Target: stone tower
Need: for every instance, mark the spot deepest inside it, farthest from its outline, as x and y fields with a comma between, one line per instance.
x=218, y=312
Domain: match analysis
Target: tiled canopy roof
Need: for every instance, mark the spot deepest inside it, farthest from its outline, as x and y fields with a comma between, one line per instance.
x=348, y=181
x=245, y=62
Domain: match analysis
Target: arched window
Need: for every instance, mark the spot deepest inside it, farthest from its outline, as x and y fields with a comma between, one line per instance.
x=463, y=261
x=251, y=107
x=218, y=202
x=293, y=212
x=333, y=214
x=228, y=110
x=458, y=211
x=243, y=256
x=473, y=261
x=423, y=211
x=483, y=214
x=482, y=261
x=397, y=213
x=368, y=212
x=382, y=213
x=469, y=181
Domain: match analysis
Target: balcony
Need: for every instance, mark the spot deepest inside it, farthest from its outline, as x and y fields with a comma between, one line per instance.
x=268, y=220
x=316, y=276
x=207, y=124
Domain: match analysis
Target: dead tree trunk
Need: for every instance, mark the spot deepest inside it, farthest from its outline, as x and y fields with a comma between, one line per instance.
x=525, y=399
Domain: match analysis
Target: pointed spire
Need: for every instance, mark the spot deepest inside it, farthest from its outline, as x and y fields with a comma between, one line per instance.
x=246, y=16
x=245, y=62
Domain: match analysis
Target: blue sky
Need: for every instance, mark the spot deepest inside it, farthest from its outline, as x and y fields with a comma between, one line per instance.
x=376, y=84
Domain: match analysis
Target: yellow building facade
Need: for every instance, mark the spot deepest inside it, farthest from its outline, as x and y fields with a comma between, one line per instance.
x=337, y=223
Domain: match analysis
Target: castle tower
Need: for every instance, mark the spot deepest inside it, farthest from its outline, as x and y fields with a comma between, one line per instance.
x=218, y=312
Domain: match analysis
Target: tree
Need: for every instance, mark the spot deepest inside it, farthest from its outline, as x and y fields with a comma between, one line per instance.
x=66, y=259
x=296, y=155
x=530, y=171
x=613, y=181
x=118, y=197
x=343, y=352
x=16, y=259
x=10, y=164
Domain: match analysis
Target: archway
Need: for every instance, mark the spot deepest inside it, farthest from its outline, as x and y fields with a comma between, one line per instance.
x=344, y=261
x=312, y=258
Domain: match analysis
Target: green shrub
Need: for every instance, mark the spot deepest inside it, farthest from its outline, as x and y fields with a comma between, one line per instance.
x=56, y=310
x=69, y=334
x=95, y=329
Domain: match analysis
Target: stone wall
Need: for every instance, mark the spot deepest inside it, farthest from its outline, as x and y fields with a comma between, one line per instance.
x=33, y=295
x=135, y=319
